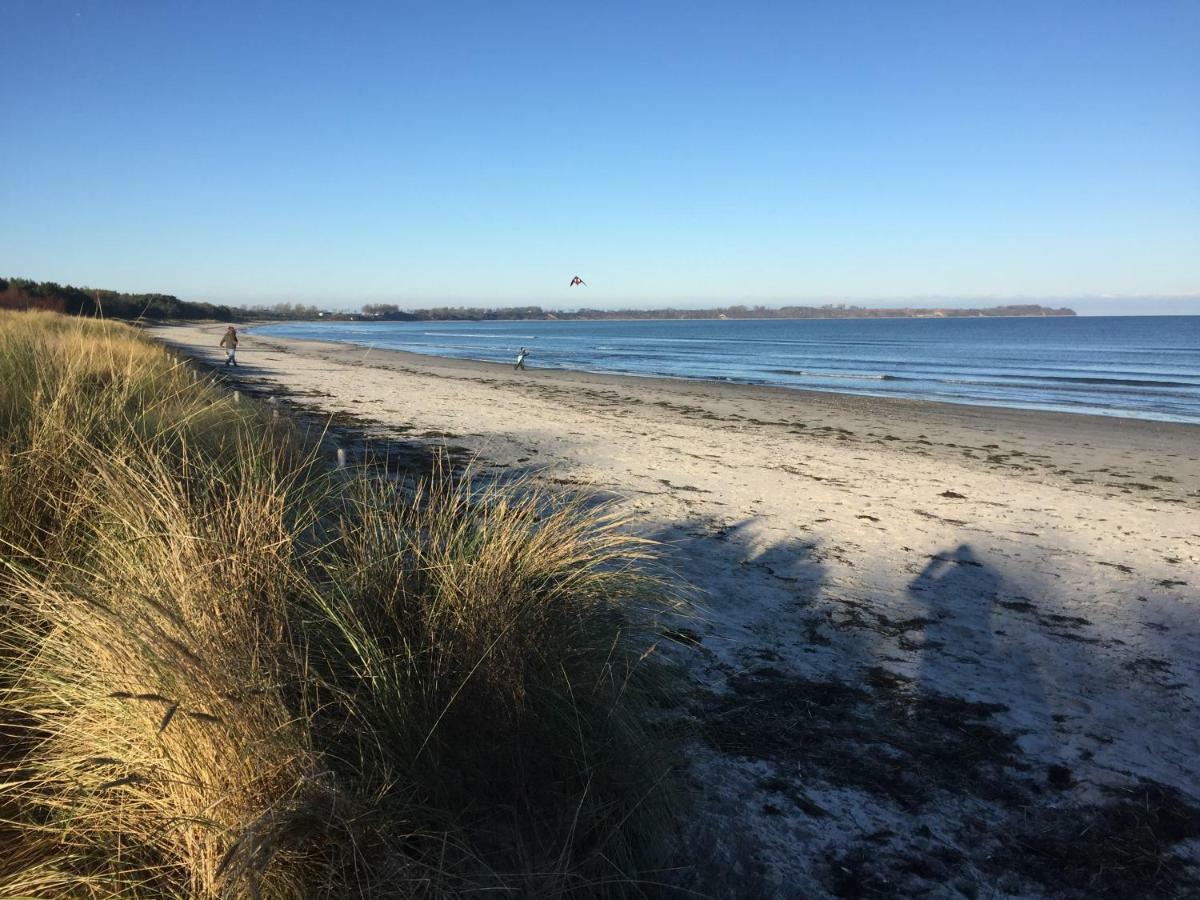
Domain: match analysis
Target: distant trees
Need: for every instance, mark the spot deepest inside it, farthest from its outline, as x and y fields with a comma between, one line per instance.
x=13, y=297
x=282, y=311
x=828, y=311
x=390, y=311
x=384, y=311
x=21, y=292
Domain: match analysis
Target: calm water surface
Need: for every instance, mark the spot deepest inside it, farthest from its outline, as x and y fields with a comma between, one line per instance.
x=1138, y=366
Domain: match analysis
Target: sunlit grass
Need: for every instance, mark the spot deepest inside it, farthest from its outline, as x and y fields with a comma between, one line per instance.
x=229, y=671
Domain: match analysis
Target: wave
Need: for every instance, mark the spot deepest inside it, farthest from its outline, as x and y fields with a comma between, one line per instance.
x=1074, y=379
x=857, y=376
x=480, y=334
x=984, y=379
x=1132, y=382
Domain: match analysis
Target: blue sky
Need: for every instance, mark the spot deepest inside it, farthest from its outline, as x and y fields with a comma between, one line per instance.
x=692, y=153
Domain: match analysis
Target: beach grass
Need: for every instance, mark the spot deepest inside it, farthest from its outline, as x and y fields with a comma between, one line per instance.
x=229, y=670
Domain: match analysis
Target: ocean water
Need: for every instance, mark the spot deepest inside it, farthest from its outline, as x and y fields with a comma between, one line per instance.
x=1135, y=366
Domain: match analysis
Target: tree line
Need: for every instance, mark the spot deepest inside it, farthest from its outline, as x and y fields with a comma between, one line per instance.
x=21, y=293
x=24, y=293
x=392, y=312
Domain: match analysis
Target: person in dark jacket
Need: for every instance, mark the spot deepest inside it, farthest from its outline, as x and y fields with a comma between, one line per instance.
x=230, y=342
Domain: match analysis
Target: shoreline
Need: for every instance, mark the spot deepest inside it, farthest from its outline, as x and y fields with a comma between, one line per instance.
x=1016, y=420
x=943, y=615
x=591, y=373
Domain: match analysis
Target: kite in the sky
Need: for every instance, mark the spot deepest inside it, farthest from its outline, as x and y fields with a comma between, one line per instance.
x=577, y=280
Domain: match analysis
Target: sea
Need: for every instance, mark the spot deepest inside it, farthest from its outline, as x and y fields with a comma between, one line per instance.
x=1144, y=367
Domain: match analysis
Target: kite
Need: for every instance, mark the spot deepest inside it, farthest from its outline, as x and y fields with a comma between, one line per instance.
x=577, y=280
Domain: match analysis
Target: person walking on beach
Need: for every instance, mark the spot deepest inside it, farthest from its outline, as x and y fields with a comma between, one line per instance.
x=230, y=342
x=520, y=363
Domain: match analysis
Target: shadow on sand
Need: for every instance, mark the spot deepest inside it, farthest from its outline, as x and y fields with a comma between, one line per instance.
x=965, y=804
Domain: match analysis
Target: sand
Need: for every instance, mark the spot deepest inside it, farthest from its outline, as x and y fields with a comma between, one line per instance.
x=933, y=640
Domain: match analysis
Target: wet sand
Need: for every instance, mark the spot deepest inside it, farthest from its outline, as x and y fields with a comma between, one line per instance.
x=931, y=638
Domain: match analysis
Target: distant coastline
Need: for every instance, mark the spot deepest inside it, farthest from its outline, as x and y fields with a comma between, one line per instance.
x=388, y=312
x=24, y=293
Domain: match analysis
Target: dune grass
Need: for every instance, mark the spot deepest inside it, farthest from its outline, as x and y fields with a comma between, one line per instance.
x=226, y=670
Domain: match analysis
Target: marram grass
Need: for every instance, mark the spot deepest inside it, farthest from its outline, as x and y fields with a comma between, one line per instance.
x=227, y=671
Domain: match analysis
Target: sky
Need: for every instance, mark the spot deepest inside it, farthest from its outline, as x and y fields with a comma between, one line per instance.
x=693, y=153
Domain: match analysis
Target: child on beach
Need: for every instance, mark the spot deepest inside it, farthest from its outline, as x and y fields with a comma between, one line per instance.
x=230, y=342
x=520, y=363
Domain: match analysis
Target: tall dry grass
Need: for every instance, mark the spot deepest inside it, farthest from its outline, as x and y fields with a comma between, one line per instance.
x=228, y=671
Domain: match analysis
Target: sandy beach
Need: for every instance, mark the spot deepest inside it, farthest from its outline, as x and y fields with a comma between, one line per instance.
x=940, y=650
